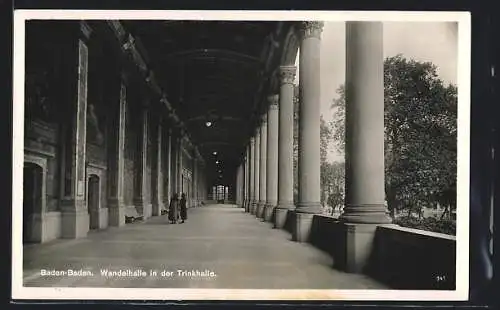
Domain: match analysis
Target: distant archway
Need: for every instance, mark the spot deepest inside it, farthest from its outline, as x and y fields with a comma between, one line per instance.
x=32, y=199
x=93, y=199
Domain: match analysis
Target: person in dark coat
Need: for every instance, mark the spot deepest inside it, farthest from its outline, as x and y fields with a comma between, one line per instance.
x=183, y=207
x=173, y=209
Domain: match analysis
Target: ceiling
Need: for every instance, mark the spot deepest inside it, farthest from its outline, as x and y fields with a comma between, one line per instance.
x=217, y=71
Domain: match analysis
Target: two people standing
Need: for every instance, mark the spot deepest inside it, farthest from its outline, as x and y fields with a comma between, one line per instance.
x=177, y=209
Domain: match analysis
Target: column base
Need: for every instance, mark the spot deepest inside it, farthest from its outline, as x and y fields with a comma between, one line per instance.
x=45, y=226
x=309, y=207
x=116, y=213
x=303, y=226
x=281, y=215
x=366, y=214
x=260, y=209
x=253, y=207
x=156, y=208
x=356, y=246
x=75, y=224
x=143, y=208
x=103, y=218
x=268, y=212
x=148, y=210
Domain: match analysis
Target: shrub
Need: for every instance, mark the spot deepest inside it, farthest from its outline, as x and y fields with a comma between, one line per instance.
x=429, y=223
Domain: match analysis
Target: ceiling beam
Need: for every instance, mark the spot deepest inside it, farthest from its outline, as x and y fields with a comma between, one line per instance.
x=206, y=52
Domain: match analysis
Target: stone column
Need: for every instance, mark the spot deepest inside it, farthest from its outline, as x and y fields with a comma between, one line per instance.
x=247, y=179
x=263, y=168
x=285, y=146
x=194, y=202
x=158, y=197
x=201, y=197
x=116, y=162
x=242, y=184
x=204, y=185
x=238, y=186
x=365, y=195
x=272, y=157
x=251, y=182
x=309, y=202
x=256, y=172
x=169, y=167
x=75, y=218
x=141, y=202
x=179, y=166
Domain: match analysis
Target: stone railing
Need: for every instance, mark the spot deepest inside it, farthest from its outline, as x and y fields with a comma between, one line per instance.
x=402, y=258
x=409, y=258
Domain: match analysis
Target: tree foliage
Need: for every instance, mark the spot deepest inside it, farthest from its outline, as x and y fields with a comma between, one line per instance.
x=296, y=107
x=420, y=135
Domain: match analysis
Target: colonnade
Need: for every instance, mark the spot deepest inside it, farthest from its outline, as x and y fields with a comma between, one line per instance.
x=271, y=188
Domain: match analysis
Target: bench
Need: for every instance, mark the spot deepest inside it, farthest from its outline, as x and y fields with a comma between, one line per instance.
x=131, y=215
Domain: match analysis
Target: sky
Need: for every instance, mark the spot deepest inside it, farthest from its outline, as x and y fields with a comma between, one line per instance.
x=423, y=41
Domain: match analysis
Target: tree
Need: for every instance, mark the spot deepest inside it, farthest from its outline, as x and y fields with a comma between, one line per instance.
x=334, y=182
x=326, y=171
x=420, y=135
x=296, y=107
x=338, y=123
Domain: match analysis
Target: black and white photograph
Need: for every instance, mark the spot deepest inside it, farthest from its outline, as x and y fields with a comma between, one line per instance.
x=241, y=155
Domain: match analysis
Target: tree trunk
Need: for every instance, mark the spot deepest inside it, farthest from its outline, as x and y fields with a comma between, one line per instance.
x=446, y=206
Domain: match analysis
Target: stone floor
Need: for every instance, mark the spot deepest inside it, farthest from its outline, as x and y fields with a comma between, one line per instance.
x=240, y=251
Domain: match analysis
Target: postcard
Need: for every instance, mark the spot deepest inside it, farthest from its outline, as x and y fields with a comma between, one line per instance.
x=241, y=155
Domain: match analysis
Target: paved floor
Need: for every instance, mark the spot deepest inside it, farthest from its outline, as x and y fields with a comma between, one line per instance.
x=221, y=245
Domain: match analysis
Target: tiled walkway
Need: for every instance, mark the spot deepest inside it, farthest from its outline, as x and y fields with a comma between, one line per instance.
x=239, y=250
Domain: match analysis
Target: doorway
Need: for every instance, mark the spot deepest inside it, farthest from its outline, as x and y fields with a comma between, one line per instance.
x=93, y=201
x=32, y=199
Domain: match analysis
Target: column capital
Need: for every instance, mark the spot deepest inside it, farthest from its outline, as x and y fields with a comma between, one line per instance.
x=287, y=74
x=264, y=119
x=273, y=102
x=252, y=140
x=311, y=29
x=85, y=30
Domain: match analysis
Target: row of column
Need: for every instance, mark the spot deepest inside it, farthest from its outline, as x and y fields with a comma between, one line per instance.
x=267, y=169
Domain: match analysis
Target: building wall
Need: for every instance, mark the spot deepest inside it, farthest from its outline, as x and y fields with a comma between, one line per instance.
x=49, y=86
x=42, y=102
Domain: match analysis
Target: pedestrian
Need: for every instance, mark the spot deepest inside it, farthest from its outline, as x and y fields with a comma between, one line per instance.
x=183, y=207
x=173, y=209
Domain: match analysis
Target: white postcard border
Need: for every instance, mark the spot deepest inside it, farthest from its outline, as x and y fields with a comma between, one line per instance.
x=462, y=236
